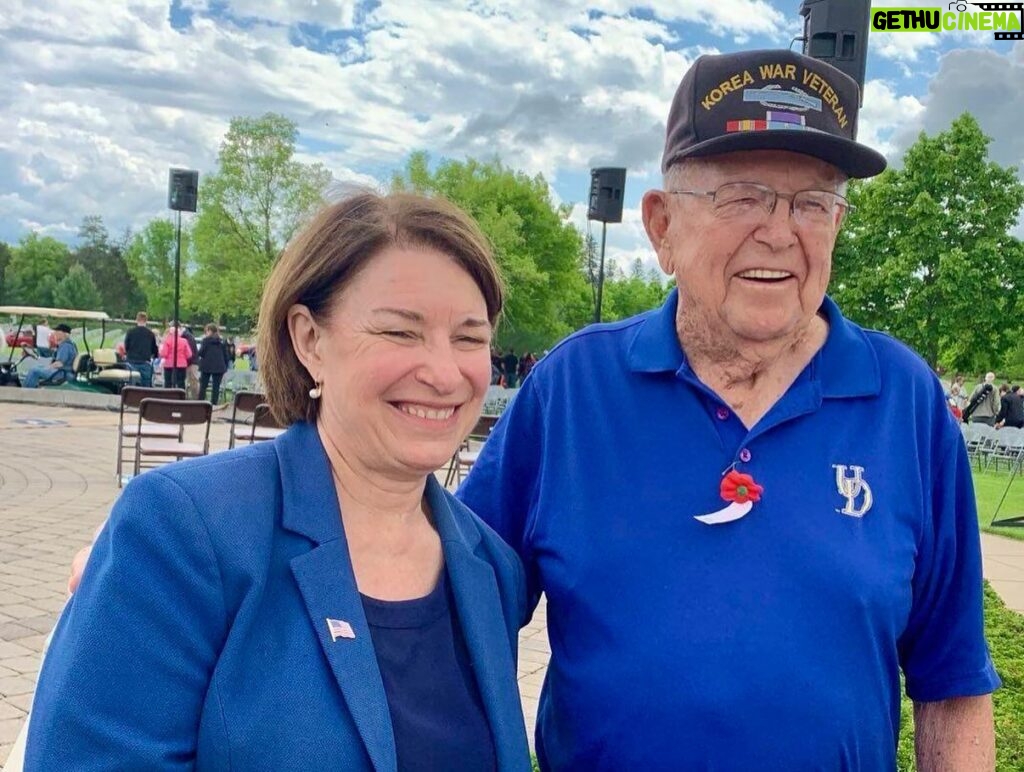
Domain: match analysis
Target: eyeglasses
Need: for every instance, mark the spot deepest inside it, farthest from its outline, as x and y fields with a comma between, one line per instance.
x=752, y=204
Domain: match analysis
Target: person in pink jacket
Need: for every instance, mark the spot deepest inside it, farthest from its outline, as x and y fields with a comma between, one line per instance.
x=175, y=366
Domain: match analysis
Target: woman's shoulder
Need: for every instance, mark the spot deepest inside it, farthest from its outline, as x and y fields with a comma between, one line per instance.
x=244, y=479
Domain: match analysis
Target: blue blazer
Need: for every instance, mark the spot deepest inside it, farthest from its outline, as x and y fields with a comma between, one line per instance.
x=198, y=637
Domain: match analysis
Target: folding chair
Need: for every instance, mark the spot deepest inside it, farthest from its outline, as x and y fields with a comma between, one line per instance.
x=1009, y=448
x=172, y=412
x=243, y=410
x=264, y=425
x=466, y=456
x=131, y=398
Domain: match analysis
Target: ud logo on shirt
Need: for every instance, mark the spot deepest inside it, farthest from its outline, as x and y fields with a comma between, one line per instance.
x=851, y=488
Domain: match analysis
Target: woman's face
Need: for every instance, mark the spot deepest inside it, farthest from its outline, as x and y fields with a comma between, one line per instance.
x=404, y=362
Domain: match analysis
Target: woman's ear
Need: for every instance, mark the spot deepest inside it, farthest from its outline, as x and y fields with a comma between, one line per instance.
x=305, y=334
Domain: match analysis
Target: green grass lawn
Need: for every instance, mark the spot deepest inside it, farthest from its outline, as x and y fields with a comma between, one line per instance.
x=1005, y=631
x=989, y=487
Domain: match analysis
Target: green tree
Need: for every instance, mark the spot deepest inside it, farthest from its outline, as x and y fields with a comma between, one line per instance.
x=626, y=295
x=77, y=290
x=534, y=243
x=36, y=265
x=104, y=261
x=5, y=259
x=150, y=261
x=927, y=256
x=248, y=209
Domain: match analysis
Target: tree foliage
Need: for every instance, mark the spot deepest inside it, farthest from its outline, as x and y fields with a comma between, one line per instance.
x=628, y=294
x=36, y=265
x=926, y=254
x=248, y=209
x=77, y=290
x=534, y=243
x=5, y=260
x=104, y=262
x=150, y=261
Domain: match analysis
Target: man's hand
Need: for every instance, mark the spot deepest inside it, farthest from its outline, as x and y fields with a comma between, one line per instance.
x=955, y=735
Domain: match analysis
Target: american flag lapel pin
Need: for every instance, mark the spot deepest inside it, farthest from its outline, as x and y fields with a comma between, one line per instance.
x=339, y=628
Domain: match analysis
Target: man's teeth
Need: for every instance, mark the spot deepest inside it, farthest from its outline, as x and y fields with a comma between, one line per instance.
x=429, y=413
x=764, y=273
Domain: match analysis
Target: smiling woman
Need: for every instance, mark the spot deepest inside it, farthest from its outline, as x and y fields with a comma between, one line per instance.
x=376, y=610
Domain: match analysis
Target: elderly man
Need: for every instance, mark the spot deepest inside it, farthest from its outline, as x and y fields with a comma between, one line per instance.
x=748, y=514
x=61, y=368
x=983, y=406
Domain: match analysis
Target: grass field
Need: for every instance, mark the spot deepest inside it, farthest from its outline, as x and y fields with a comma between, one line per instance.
x=989, y=488
x=1005, y=631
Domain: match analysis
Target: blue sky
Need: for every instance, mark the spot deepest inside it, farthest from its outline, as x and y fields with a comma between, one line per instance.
x=101, y=98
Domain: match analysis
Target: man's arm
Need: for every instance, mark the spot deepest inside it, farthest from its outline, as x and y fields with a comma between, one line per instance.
x=955, y=734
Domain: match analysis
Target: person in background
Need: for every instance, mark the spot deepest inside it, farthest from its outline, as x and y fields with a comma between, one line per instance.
x=43, y=333
x=319, y=601
x=140, y=349
x=62, y=367
x=956, y=401
x=192, y=369
x=985, y=402
x=510, y=365
x=174, y=366
x=526, y=363
x=1011, y=409
x=213, y=363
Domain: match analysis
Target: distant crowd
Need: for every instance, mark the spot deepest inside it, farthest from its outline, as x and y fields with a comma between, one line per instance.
x=987, y=404
x=510, y=370
x=196, y=365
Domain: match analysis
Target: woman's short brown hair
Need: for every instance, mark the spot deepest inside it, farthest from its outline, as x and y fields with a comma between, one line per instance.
x=329, y=252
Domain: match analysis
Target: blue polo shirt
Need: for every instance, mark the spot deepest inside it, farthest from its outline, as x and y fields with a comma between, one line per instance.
x=771, y=642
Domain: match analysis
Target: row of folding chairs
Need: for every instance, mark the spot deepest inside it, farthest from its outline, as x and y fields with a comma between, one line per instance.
x=990, y=447
x=152, y=426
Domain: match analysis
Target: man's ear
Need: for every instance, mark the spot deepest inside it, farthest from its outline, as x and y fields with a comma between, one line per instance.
x=305, y=334
x=657, y=217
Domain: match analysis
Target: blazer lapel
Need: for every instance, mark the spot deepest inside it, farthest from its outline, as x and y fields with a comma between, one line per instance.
x=327, y=583
x=484, y=630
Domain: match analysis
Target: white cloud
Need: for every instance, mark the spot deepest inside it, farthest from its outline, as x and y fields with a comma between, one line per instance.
x=100, y=98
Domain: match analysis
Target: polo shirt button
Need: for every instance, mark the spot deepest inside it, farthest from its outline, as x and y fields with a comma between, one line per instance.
x=722, y=413
x=744, y=455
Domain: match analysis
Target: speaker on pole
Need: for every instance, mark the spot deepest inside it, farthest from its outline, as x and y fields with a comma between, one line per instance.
x=607, y=186
x=183, y=190
x=836, y=32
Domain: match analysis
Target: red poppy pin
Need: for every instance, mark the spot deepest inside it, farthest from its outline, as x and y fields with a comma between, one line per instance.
x=741, y=492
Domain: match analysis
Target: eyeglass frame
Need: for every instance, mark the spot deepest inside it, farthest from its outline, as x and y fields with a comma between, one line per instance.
x=842, y=201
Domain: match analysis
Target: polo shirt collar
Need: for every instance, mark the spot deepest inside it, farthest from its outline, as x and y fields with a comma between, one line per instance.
x=846, y=366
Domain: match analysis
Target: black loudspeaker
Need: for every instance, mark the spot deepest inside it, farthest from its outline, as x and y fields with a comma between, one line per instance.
x=607, y=186
x=836, y=31
x=183, y=190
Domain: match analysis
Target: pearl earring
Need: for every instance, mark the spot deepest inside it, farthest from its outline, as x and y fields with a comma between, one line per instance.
x=314, y=393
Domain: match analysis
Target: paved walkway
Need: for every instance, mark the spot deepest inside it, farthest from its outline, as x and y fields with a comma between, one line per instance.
x=57, y=484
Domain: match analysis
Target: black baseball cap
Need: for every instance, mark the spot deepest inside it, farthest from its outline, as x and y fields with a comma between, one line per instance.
x=63, y=328
x=768, y=100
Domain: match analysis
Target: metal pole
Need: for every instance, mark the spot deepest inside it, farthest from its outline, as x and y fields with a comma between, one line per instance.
x=600, y=275
x=177, y=297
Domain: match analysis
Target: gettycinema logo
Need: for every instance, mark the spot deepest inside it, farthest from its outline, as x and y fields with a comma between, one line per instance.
x=1003, y=19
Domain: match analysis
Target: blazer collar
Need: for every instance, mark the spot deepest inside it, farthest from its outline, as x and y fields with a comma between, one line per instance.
x=328, y=586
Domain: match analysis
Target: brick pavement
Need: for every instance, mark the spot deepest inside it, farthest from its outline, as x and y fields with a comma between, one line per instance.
x=56, y=486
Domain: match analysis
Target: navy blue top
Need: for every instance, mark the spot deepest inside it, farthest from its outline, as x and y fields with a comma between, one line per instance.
x=436, y=711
